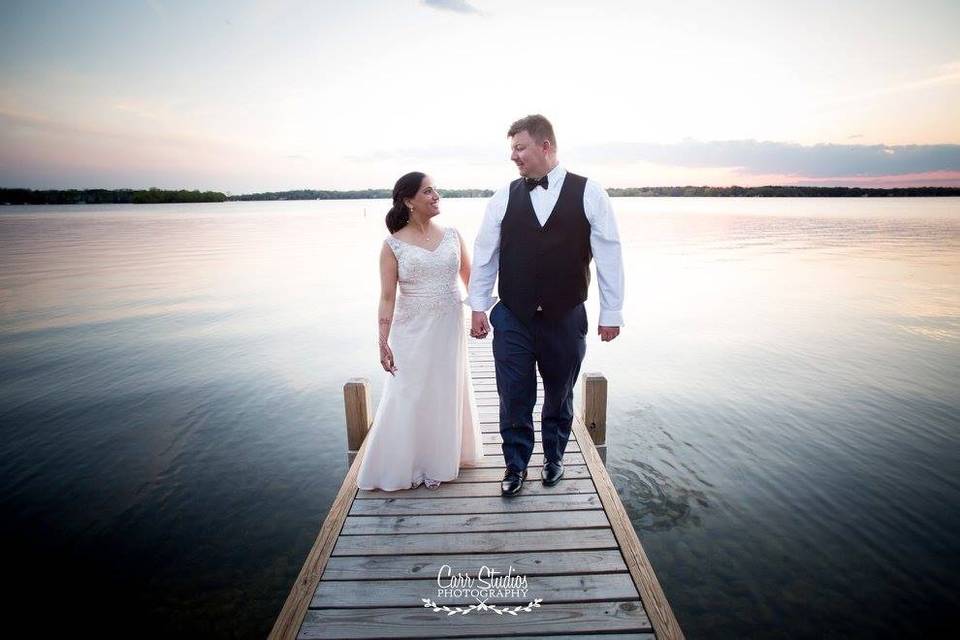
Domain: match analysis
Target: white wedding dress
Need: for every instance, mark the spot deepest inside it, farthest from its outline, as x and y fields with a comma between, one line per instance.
x=426, y=424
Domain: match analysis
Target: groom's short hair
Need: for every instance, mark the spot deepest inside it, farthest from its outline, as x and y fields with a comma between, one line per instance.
x=537, y=126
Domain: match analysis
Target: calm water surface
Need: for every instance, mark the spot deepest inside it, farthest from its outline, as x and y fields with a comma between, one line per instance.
x=784, y=406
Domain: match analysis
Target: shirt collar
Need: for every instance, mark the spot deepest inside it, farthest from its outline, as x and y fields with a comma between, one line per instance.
x=555, y=177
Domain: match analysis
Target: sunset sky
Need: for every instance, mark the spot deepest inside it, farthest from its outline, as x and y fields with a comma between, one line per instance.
x=254, y=96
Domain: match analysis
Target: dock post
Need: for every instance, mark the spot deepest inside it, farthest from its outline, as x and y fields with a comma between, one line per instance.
x=594, y=409
x=356, y=404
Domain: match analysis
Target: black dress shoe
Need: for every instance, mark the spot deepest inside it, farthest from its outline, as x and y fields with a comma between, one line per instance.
x=551, y=473
x=512, y=482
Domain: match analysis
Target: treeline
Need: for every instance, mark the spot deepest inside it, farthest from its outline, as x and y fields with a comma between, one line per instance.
x=158, y=196
x=106, y=196
x=782, y=192
x=362, y=194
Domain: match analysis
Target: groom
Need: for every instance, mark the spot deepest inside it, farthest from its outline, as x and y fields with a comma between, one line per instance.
x=540, y=232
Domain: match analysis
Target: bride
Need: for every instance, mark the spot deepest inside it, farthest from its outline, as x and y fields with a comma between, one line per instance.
x=426, y=424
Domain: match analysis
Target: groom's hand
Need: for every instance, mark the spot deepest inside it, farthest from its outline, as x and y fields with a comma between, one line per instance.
x=608, y=333
x=479, y=327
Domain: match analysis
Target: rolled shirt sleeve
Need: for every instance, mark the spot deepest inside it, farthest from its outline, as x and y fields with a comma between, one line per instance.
x=607, y=253
x=486, y=253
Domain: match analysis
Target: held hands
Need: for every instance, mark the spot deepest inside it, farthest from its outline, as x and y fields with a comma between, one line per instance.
x=386, y=359
x=479, y=327
x=608, y=333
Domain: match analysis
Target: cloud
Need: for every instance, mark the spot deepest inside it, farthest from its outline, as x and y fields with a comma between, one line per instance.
x=14, y=123
x=457, y=6
x=457, y=153
x=756, y=157
x=930, y=179
x=944, y=75
x=157, y=7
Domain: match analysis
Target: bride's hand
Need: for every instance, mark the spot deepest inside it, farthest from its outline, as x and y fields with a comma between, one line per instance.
x=479, y=326
x=386, y=359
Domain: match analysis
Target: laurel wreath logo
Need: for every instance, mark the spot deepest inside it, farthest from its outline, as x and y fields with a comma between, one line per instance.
x=483, y=606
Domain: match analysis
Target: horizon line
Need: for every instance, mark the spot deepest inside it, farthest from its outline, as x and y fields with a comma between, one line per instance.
x=328, y=190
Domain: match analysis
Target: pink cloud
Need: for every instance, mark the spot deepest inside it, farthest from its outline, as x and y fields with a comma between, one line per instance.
x=927, y=179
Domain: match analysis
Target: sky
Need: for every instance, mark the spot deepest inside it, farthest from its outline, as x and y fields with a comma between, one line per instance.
x=264, y=96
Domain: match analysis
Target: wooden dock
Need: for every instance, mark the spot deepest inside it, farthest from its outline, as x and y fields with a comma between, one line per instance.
x=378, y=554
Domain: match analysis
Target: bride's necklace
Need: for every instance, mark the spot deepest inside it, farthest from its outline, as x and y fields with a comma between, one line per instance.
x=428, y=236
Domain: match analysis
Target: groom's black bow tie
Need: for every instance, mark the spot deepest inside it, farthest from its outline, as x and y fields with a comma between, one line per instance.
x=532, y=183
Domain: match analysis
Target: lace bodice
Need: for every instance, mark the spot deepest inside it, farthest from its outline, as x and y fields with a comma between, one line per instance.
x=427, y=279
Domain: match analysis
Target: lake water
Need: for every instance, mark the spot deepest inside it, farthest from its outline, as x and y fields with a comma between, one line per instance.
x=784, y=407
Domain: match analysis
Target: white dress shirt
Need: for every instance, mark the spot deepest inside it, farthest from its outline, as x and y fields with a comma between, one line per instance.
x=604, y=243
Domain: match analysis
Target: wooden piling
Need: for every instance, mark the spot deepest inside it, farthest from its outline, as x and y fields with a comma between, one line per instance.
x=359, y=417
x=594, y=410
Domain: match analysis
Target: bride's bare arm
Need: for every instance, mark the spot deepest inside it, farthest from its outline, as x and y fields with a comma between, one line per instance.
x=464, y=263
x=388, y=301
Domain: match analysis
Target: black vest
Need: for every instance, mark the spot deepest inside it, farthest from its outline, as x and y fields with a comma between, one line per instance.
x=545, y=266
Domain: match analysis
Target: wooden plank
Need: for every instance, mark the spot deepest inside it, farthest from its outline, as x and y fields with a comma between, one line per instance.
x=494, y=449
x=437, y=506
x=587, y=587
x=584, y=636
x=490, y=474
x=490, y=374
x=532, y=486
x=651, y=593
x=410, y=622
x=494, y=437
x=474, y=522
x=536, y=460
x=480, y=474
x=527, y=563
x=463, y=542
x=493, y=426
x=488, y=414
x=491, y=405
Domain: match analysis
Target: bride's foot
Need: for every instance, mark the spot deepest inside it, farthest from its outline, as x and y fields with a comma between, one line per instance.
x=431, y=484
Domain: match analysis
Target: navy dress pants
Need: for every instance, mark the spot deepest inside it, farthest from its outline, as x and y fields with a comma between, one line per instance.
x=556, y=347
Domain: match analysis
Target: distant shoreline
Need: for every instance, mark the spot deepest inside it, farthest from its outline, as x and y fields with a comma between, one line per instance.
x=162, y=196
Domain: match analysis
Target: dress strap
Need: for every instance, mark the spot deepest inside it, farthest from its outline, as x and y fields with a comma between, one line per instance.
x=395, y=245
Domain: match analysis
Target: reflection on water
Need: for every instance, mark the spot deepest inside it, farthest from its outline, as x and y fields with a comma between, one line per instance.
x=783, y=409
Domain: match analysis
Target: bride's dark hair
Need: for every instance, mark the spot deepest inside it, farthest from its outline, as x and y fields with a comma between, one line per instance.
x=406, y=187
